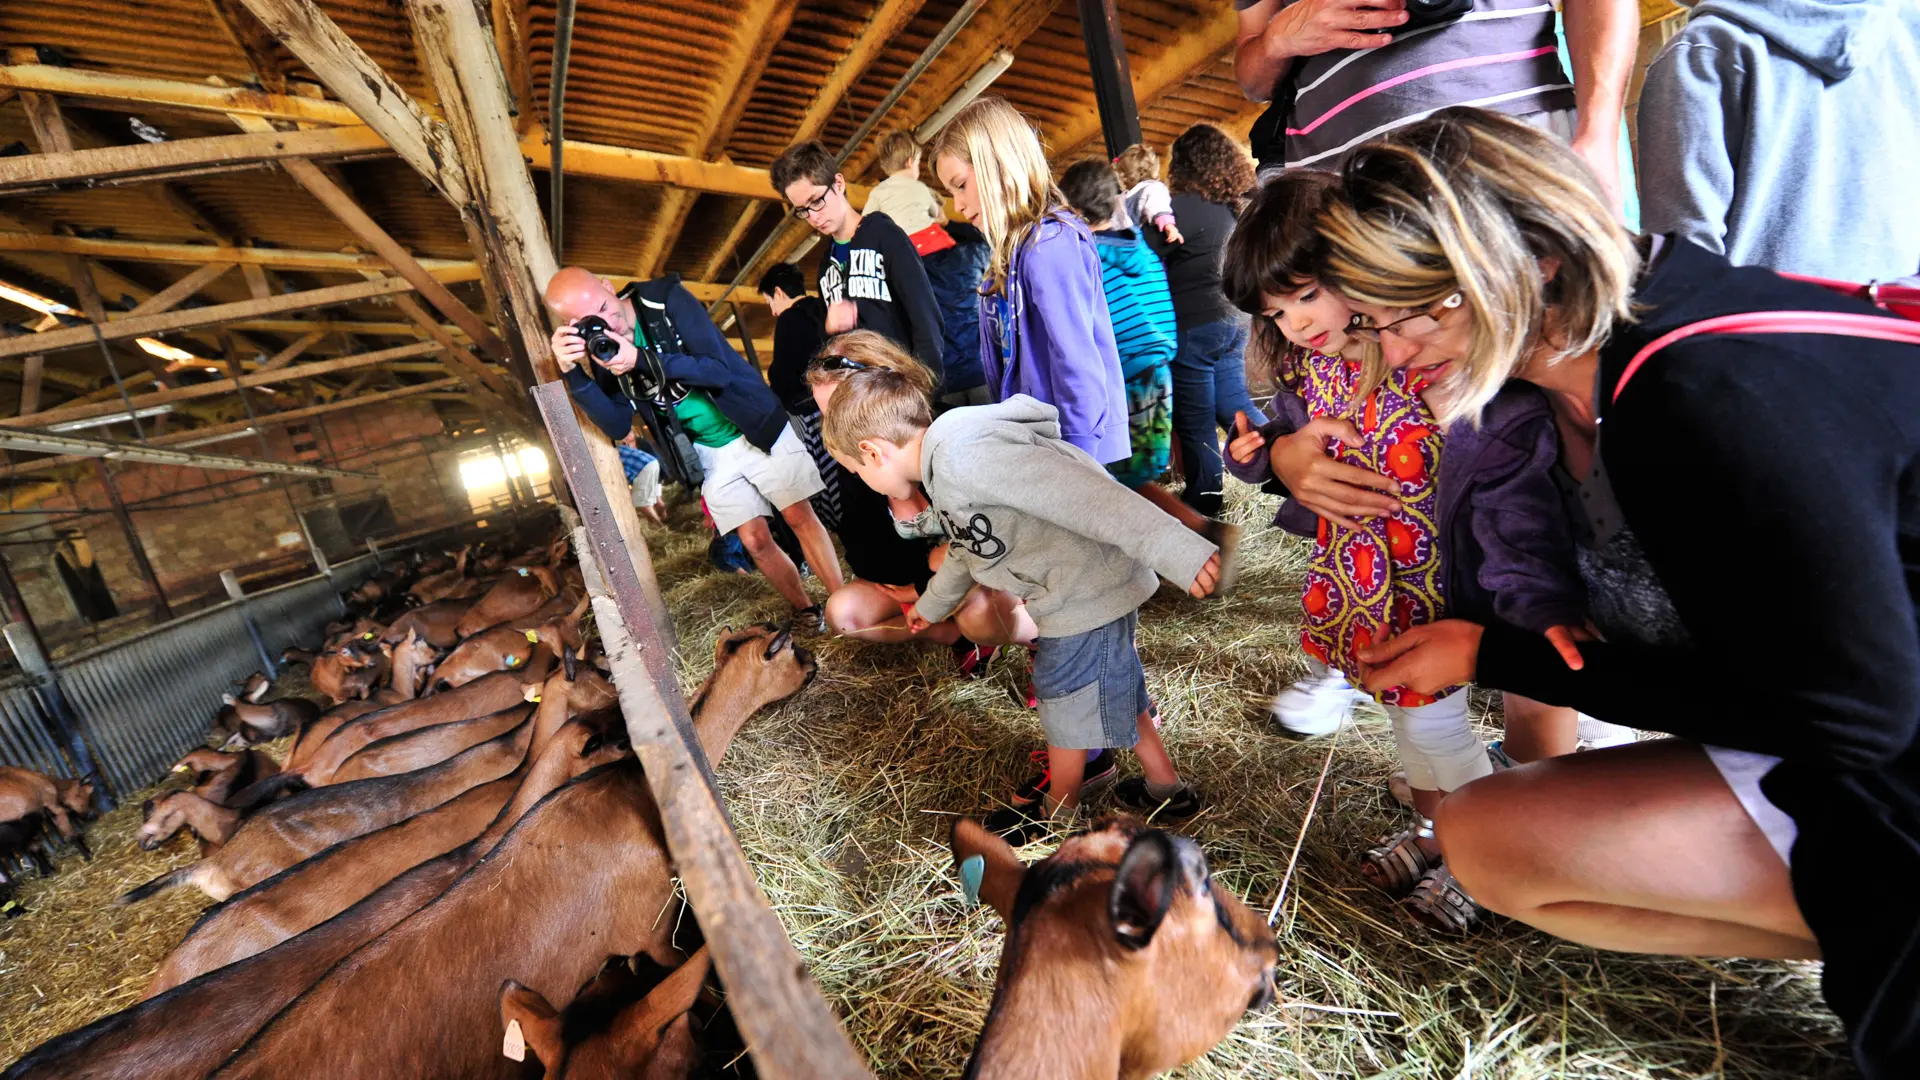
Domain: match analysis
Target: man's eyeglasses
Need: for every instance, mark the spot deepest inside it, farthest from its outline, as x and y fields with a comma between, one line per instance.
x=814, y=206
x=840, y=363
x=1361, y=326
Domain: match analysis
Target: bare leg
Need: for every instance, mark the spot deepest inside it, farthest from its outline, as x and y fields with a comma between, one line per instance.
x=1152, y=753
x=773, y=562
x=815, y=543
x=863, y=610
x=1536, y=731
x=1066, y=769
x=1168, y=501
x=1639, y=848
x=991, y=617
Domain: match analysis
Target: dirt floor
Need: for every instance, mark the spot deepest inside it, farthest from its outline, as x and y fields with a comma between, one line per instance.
x=842, y=797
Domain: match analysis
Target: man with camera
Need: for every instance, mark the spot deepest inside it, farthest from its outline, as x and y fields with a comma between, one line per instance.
x=649, y=349
x=1340, y=72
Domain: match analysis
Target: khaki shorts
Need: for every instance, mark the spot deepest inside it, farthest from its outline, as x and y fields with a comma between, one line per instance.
x=744, y=483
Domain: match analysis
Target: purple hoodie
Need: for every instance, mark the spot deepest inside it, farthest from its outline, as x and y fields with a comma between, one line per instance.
x=1056, y=344
x=1506, y=543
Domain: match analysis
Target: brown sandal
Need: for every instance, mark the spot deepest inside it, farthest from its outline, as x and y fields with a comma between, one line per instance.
x=1398, y=865
x=1438, y=903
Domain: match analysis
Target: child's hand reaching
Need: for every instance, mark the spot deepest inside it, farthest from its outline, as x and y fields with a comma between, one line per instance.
x=1246, y=441
x=1207, y=581
x=915, y=624
x=1564, y=640
x=1172, y=232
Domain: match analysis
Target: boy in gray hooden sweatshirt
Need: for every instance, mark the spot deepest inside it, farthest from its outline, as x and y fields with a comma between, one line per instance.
x=1031, y=514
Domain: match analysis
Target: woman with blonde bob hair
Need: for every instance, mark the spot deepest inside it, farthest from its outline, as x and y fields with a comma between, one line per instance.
x=1746, y=529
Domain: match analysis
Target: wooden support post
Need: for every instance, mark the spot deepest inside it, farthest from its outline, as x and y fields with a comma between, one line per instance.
x=162, y=609
x=1149, y=80
x=263, y=57
x=1112, y=84
x=167, y=298
x=787, y=1025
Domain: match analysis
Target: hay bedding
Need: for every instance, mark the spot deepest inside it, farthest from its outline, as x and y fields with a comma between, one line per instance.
x=842, y=799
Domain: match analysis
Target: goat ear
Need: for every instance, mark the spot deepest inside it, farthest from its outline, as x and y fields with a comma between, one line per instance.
x=989, y=870
x=1143, y=888
x=526, y=1014
x=780, y=641
x=639, y=1026
x=228, y=699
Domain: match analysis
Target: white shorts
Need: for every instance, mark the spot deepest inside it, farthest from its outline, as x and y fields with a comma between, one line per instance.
x=1742, y=770
x=744, y=482
x=646, y=485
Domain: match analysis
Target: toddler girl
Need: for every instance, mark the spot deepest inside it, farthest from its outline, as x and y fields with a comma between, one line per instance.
x=1147, y=201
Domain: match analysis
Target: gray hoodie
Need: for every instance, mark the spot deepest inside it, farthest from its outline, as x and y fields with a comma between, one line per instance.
x=1786, y=134
x=1030, y=514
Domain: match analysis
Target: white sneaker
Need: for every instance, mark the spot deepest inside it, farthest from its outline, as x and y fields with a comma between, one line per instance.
x=1598, y=734
x=1315, y=706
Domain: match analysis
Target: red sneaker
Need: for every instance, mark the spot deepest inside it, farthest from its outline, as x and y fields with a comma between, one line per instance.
x=972, y=659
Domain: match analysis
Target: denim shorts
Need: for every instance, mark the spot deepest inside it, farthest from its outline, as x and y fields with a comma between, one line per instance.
x=1091, y=687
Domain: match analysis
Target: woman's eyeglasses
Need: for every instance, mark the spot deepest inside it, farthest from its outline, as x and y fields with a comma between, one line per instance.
x=811, y=207
x=840, y=363
x=1361, y=326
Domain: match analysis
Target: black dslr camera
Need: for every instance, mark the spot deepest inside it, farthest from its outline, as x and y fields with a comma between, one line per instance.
x=1427, y=12
x=599, y=339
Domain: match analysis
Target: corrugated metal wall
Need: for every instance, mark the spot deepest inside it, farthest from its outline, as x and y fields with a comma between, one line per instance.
x=144, y=701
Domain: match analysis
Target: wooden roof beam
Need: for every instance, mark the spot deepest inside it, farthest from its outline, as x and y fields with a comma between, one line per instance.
x=421, y=141
x=166, y=298
x=1191, y=55
x=144, y=325
x=761, y=26
x=219, y=387
x=254, y=41
x=174, y=93
x=158, y=160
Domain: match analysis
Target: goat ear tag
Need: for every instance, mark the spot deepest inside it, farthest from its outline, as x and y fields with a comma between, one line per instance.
x=180, y=768
x=533, y=637
x=368, y=636
x=523, y=571
x=972, y=870
x=515, y=1046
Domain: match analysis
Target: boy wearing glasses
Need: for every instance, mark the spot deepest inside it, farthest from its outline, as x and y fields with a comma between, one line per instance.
x=871, y=276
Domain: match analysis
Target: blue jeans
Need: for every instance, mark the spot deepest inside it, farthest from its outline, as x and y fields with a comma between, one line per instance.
x=1209, y=386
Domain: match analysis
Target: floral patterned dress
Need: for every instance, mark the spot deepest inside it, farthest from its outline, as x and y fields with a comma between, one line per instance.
x=1366, y=586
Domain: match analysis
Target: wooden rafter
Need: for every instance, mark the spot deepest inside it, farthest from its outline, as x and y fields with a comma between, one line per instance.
x=166, y=298
x=513, y=37
x=1191, y=55
x=286, y=356
x=143, y=325
x=761, y=26
x=181, y=156
x=223, y=386
x=892, y=17
x=254, y=42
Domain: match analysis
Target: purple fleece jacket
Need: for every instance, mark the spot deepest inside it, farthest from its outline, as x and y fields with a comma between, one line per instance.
x=1061, y=338
x=1506, y=543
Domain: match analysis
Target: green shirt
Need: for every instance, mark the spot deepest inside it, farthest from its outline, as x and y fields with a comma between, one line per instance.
x=704, y=421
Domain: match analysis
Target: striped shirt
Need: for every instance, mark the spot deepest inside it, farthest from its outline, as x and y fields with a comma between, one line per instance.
x=1144, y=329
x=1502, y=55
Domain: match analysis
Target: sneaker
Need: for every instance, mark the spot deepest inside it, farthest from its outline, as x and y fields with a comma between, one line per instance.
x=1400, y=789
x=1314, y=707
x=972, y=659
x=1185, y=803
x=1020, y=821
x=810, y=620
x=1598, y=734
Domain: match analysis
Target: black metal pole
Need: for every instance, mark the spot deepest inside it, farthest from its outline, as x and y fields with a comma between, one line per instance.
x=1112, y=83
x=133, y=539
x=234, y=592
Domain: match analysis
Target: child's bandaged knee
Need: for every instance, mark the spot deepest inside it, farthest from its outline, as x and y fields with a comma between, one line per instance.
x=1438, y=748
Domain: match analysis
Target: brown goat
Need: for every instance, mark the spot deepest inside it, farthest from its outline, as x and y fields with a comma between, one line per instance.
x=192, y=1028
x=1123, y=957
x=440, y=586
x=504, y=692
x=310, y=736
x=282, y=833
x=422, y=747
x=434, y=623
x=506, y=648
x=412, y=660
x=166, y=814
x=24, y=793
x=240, y=722
x=612, y=1029
x=217, y=774
x=315, y=890
x=344, y=672
x=514, y=595
x=254, y=687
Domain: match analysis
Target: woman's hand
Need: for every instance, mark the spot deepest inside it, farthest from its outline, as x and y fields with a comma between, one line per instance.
x=842, y=316
x=1246, y=441
x=915, y=624
x=1340, y=493
x=1425, y=659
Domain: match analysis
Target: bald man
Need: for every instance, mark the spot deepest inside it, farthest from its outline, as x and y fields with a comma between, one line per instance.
x=679, y=374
